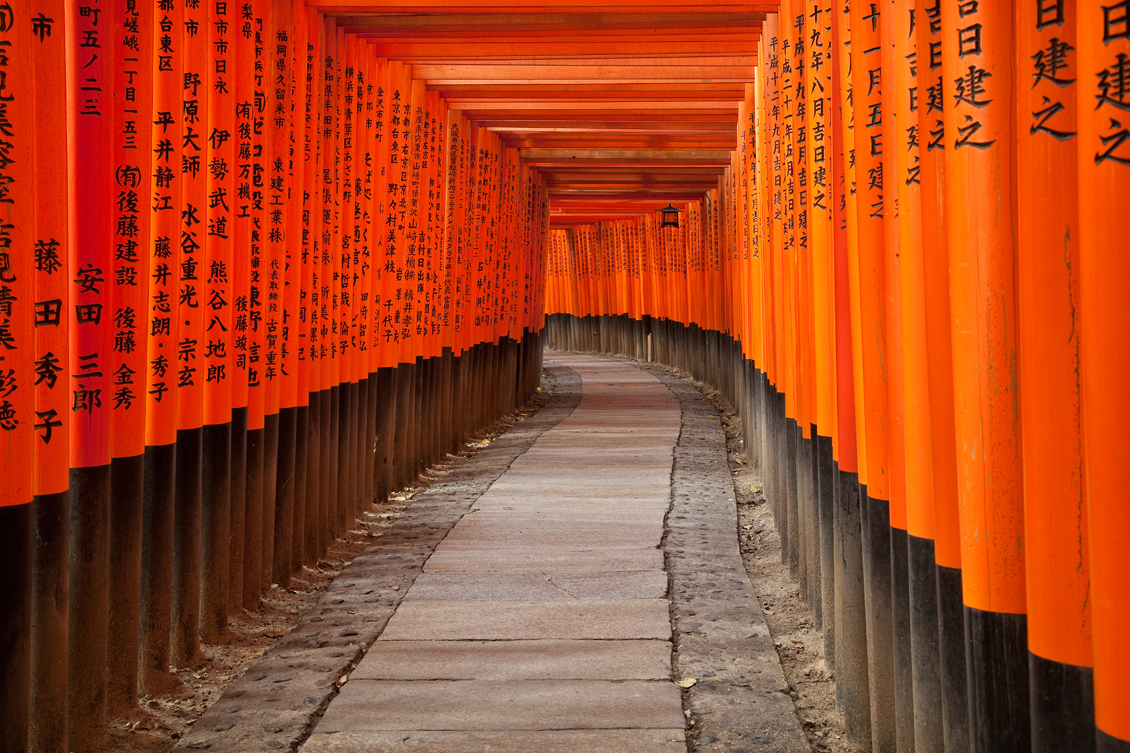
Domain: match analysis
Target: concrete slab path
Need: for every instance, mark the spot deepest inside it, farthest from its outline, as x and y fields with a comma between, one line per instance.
x=541, y=622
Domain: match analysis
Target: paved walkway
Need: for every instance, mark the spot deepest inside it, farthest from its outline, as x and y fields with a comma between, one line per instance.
x=541, y=622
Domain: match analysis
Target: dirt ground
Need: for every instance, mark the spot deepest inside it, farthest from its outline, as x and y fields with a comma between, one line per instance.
x=159, y=722
x=799, y=644
x=162, y=720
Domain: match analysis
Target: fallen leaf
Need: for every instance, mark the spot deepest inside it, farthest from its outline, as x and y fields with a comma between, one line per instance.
x=686, y=682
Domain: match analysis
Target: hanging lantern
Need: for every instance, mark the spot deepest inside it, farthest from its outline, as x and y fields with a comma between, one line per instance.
x=670, y=216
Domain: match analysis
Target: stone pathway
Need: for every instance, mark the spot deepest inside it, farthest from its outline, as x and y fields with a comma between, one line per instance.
x=541, y=621
x=525, y=601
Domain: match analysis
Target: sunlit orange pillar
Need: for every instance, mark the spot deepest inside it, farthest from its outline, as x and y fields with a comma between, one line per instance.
x=217, y=347
x=1103, y=41
x=926, y=733
x=1055, y=514
x=893, y=129
x=133, y=103
x=51, y=260
x=90, y=369
x=874, y=203
x=935, y=269
x=161, y=344
x=853, y=688
x=18, y=312
x=979, y=132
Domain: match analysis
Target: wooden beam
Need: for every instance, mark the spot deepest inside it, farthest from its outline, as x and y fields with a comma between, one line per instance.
x=533, y=47
x=438, y=76
x=356, y=7
x=559, y=108
x=581, y=155
x=392, y=23
x=639, y=142
x=573, y=117
x=546, y=49
x=712, y=128
x=610, y=63
x=609, y=90
x=619, y=113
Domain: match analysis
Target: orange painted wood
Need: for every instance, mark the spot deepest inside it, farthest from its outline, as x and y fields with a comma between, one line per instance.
x=90, y=80
x=188, y=362
x=979, y=131
x=133, y=98
x=935, y=270
x=574, y=6
x=531, y=47
x=290, y=57
x=1048, y=299
x=892, y=273
x=18, y=309
x=819, y=91
x=217, y=347
x=309, y=140
x=50, y=266
x=1104, y=161
x=519, y=24
x=252, y=181
x=919, y=477
x=844, y=39
x=872, y=207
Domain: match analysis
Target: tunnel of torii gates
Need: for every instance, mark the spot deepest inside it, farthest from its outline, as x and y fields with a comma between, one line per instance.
x=264, y=260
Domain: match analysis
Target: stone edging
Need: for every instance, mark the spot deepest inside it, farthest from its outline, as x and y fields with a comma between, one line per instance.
x=739, y=702
x=278, y=700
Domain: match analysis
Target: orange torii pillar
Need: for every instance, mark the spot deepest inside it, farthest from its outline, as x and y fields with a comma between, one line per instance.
x=1103, y=40
x=49, y=626
x=161, y=395
x=932, y=104
x=893, y=129
x=874, y=203
x=132, y=102
x=926, y=690
x=852, y=688
x=184, y=371
x=91, y=377
x=820, y=122
x=18, y=394
x=1055, y=510
x=977, y=40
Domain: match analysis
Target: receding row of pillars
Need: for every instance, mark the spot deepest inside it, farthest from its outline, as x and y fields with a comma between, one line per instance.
x=122, y=578
x=896, y=632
